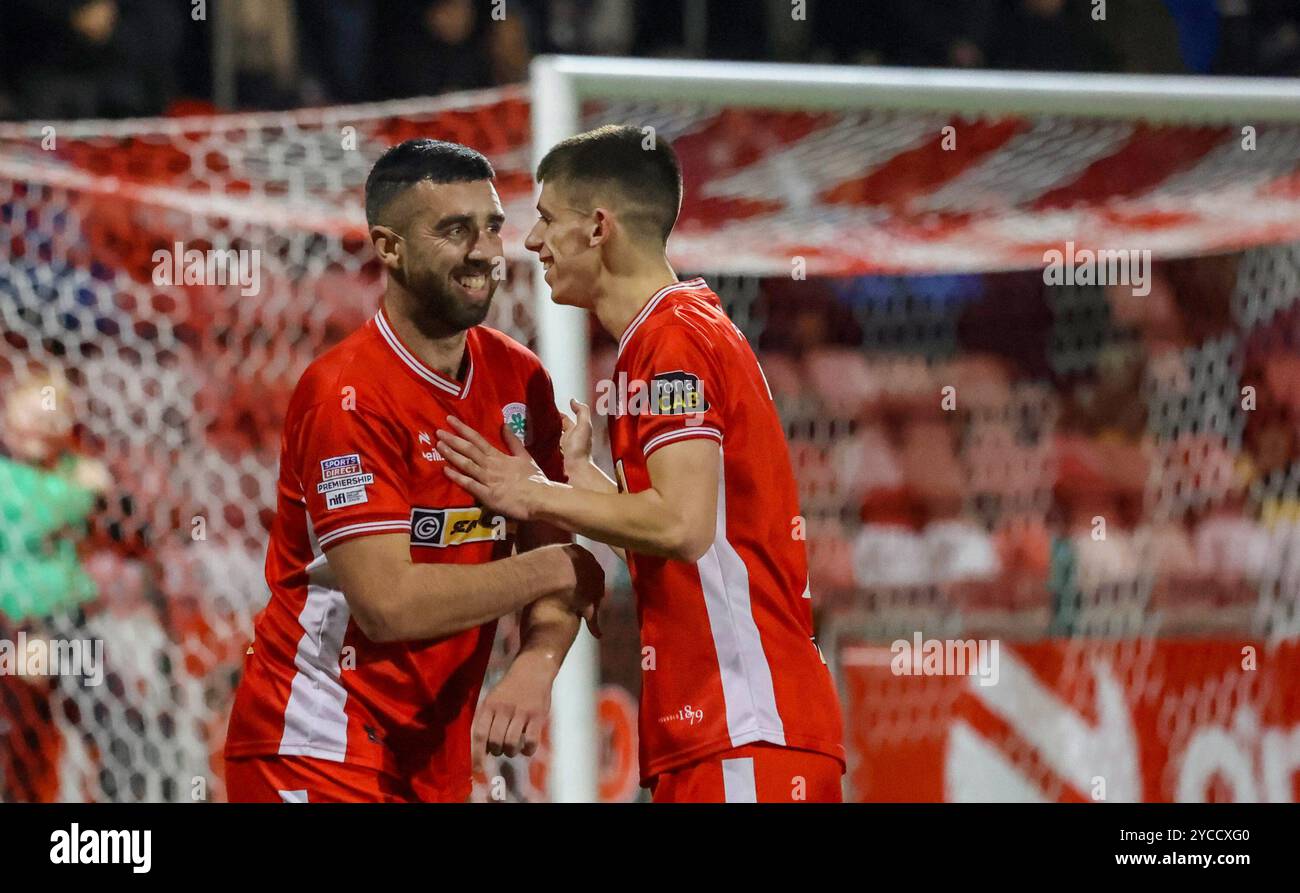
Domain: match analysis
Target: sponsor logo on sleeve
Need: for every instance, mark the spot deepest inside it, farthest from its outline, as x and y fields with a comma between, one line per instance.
x=343, y=482
x=440, y=528
x=677, y=393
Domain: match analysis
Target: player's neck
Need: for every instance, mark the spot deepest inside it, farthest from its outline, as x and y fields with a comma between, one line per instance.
x=624, y=296
x=439, y=348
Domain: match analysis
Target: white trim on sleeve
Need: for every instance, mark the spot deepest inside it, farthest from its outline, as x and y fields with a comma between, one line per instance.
x=680, y=434
x=366, y=527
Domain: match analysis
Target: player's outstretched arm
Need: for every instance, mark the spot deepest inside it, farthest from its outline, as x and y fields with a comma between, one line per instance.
x=675, y=518
x=395, y=599
x=580, y=469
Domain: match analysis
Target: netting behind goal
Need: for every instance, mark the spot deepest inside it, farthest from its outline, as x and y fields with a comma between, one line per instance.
x=1104, y=483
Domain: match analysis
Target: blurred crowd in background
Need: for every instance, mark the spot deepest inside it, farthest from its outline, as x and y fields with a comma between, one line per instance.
x=116, y=58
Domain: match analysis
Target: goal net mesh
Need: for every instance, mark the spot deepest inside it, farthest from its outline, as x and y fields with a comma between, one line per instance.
x=1099, y=478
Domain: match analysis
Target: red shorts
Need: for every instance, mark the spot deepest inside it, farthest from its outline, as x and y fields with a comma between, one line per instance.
x=754, y=773
x=289, y=779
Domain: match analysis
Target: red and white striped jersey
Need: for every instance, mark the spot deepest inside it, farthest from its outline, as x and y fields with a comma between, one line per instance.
x=728, y=656
x=358, y=457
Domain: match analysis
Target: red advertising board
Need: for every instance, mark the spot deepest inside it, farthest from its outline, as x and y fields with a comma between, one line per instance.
x=1077, y=721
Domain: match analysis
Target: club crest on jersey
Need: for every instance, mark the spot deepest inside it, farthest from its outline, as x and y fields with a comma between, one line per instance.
x=516, y=416
x=343, y=481
x=440, y=528
x=677, y=393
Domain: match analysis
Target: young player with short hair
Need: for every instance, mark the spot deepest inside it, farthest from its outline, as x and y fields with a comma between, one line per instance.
x=737, y=703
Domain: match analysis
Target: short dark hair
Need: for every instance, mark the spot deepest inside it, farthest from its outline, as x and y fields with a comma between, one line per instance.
x=641, y=165
x=407, y=163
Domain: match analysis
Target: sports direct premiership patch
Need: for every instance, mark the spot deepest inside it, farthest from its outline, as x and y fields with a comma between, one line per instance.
x=677, y=393
x=343, y=483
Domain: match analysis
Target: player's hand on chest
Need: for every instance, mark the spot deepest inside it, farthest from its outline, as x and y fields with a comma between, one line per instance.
x=427, y=464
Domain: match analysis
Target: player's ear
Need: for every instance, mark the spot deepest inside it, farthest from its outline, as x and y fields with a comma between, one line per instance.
x=386, y=242
x=602, y=227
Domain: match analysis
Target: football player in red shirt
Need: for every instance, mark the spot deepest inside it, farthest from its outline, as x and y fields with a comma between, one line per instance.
x=737, y=703
x=364, y=673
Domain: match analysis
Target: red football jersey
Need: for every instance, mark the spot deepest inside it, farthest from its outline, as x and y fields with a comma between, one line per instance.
x=733, y=660
x=358, y=457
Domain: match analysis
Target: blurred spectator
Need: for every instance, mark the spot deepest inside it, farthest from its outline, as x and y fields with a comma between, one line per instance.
x=113, y=58
x=737, y=29
x=433, y=47
x=1259, y=37
x=599, y=27
x=1144, y=35
x=46, y=493
x=1199, y=32
x=92, y=58
x=928, y=33
x=336, y=37
x=266, y=53
x=1048, y=35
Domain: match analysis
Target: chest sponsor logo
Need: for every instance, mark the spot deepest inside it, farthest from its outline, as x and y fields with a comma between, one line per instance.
x=343, y=481
x=440, y=528
x=516, y=416
x=677, y=393
x=427, y=450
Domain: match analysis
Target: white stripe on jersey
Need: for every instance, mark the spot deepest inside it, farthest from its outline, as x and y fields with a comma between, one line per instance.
x=367, y=526
x=738, y=785
x=315, y=724
x=414, y=363
x=681, y=434
x=745, y=673
x=654, y=302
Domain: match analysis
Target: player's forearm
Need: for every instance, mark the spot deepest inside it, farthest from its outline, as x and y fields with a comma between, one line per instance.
x=435, y=600
x=547, y=631
x=642, y=522
x=589, y=476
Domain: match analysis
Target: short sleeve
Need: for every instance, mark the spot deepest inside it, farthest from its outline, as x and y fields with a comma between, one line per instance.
x=674, y=390
x=353, y=474
x=543, y=435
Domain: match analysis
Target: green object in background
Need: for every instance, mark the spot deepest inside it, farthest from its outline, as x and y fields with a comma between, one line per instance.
x=42, y=515
x=1063, y=584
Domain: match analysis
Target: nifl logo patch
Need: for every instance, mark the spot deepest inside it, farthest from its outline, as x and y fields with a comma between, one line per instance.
x=344, y=498
x=677, y=393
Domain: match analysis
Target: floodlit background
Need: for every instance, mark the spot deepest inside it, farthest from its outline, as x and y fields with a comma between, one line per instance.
x=1102, y=479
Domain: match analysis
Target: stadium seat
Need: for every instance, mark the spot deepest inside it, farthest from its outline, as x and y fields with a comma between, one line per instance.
x=842, y=379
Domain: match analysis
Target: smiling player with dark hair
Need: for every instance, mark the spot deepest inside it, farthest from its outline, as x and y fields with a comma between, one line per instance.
x=362, y=679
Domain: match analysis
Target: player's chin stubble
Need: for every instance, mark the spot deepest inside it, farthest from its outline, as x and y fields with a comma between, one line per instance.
x=439, y=307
